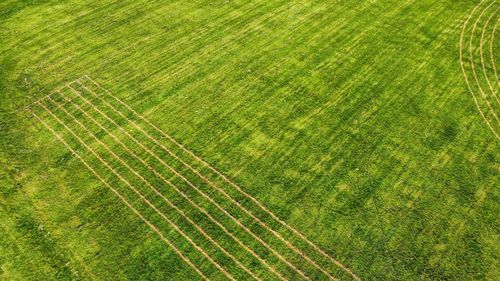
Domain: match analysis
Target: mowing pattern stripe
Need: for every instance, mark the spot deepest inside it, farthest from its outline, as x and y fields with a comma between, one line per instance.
x=472, y=44
x=228, y=234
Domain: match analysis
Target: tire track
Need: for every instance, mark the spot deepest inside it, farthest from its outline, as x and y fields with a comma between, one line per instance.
x=301, y=273
x=464, y=72
x=253, y=199
x=481, y=50
x=493, y=61
x=231, y=199
x=473, y=65
x=158, y=174
x=123, y=199
x=173, y=206
x=229, y=276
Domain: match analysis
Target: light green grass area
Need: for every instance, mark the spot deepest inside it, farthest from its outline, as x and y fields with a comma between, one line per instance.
x=350, y=120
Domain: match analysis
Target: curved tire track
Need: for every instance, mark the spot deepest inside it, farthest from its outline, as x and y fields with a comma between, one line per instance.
x=474, y=95
x=481, y=51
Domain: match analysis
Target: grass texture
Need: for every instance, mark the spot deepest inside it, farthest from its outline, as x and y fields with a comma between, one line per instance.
x=369, y=127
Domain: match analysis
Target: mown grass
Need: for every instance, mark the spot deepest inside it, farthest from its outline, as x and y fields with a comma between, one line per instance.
x=349, y=119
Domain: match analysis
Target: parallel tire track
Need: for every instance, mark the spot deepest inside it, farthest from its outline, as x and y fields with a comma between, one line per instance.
x=473, y=65
x=155, y=142
x=227, y=180
x=490, y=123
x=493, y=61
x=196, y=246
x=283, y=259
x=123, y=199
x=194, y=204
x=481, y=51
x=155, y=190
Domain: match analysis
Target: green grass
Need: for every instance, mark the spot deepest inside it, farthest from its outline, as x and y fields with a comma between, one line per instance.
x=350, y=120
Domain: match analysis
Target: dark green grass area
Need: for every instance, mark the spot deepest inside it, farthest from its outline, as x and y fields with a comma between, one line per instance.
x=350, y=120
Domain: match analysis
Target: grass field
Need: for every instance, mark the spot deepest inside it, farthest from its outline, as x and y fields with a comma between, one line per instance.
x=249, y=140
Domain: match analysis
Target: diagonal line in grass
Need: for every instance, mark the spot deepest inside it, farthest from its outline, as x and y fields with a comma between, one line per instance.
x=182, y=213
x=196, y=246
x=277, y=254
x=123, y=199
x=274, y=216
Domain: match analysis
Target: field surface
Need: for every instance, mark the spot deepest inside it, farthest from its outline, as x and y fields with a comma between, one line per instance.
x=249, y=140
